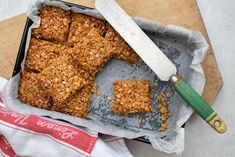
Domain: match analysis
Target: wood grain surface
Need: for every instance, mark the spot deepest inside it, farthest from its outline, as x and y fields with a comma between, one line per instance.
x=184, y=13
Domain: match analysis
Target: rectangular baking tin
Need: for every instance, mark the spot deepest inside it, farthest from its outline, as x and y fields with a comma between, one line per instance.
x=21, y=51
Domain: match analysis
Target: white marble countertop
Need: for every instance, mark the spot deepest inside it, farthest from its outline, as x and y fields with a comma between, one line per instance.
x=201, y=140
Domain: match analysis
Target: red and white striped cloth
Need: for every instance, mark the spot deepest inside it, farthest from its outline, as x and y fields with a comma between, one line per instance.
x=35, y=136
x=46, y=133
x=5, y=147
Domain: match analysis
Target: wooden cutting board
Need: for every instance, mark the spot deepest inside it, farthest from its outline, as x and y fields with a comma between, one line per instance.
x=184, y=13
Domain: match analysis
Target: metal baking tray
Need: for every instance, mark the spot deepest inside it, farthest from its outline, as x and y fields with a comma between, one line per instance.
x=21, y=52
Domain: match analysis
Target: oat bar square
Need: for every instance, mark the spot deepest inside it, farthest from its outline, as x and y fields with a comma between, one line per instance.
x=54, y=24
x=30, y=91
x=81, y=25
x=42, y=53
x=79, y=105
x=61, y=80
x=132, y=96
x=121, y=49
x=92, y=53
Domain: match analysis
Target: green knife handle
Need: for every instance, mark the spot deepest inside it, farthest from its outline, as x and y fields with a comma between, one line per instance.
x=198, y=104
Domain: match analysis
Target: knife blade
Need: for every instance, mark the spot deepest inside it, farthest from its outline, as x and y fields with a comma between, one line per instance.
x=156, y=60
x=137, y=39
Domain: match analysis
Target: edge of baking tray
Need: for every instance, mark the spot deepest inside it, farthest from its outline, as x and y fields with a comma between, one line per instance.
x=21, y=52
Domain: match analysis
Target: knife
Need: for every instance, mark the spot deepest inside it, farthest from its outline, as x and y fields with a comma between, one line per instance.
x=156, y=60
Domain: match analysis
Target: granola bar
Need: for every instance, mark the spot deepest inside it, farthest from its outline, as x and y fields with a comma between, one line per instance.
x=79, y=105
x=54, y=24
x=121, y=49
x=81, y=25
x=92, y=52
x=61, y=80
x=132, y=96
x=42, y=53
x=31, y=93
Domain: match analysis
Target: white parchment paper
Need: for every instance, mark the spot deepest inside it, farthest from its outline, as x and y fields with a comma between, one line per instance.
x=184, y=47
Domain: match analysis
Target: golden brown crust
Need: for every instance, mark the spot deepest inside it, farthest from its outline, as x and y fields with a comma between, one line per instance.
x=81, y=25
x=30, y=91
x=42, y=53
x=121, y=49
x=92, y=52
x=61, y=80
x=54, y=24
x=132, y=96
x=79, y=105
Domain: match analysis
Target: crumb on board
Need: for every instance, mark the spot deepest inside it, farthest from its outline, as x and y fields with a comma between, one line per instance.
x=109, y=98
x=132, y=96
x=165, y=115
x=30, y=91
x=42, y=53
x=133, y=77
x=163, y=127
x=163, y=107
x=169, y=94
x=162, y=99
x=61, y=80
x=155, y=84
x=179, y=75
x=54, y=24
